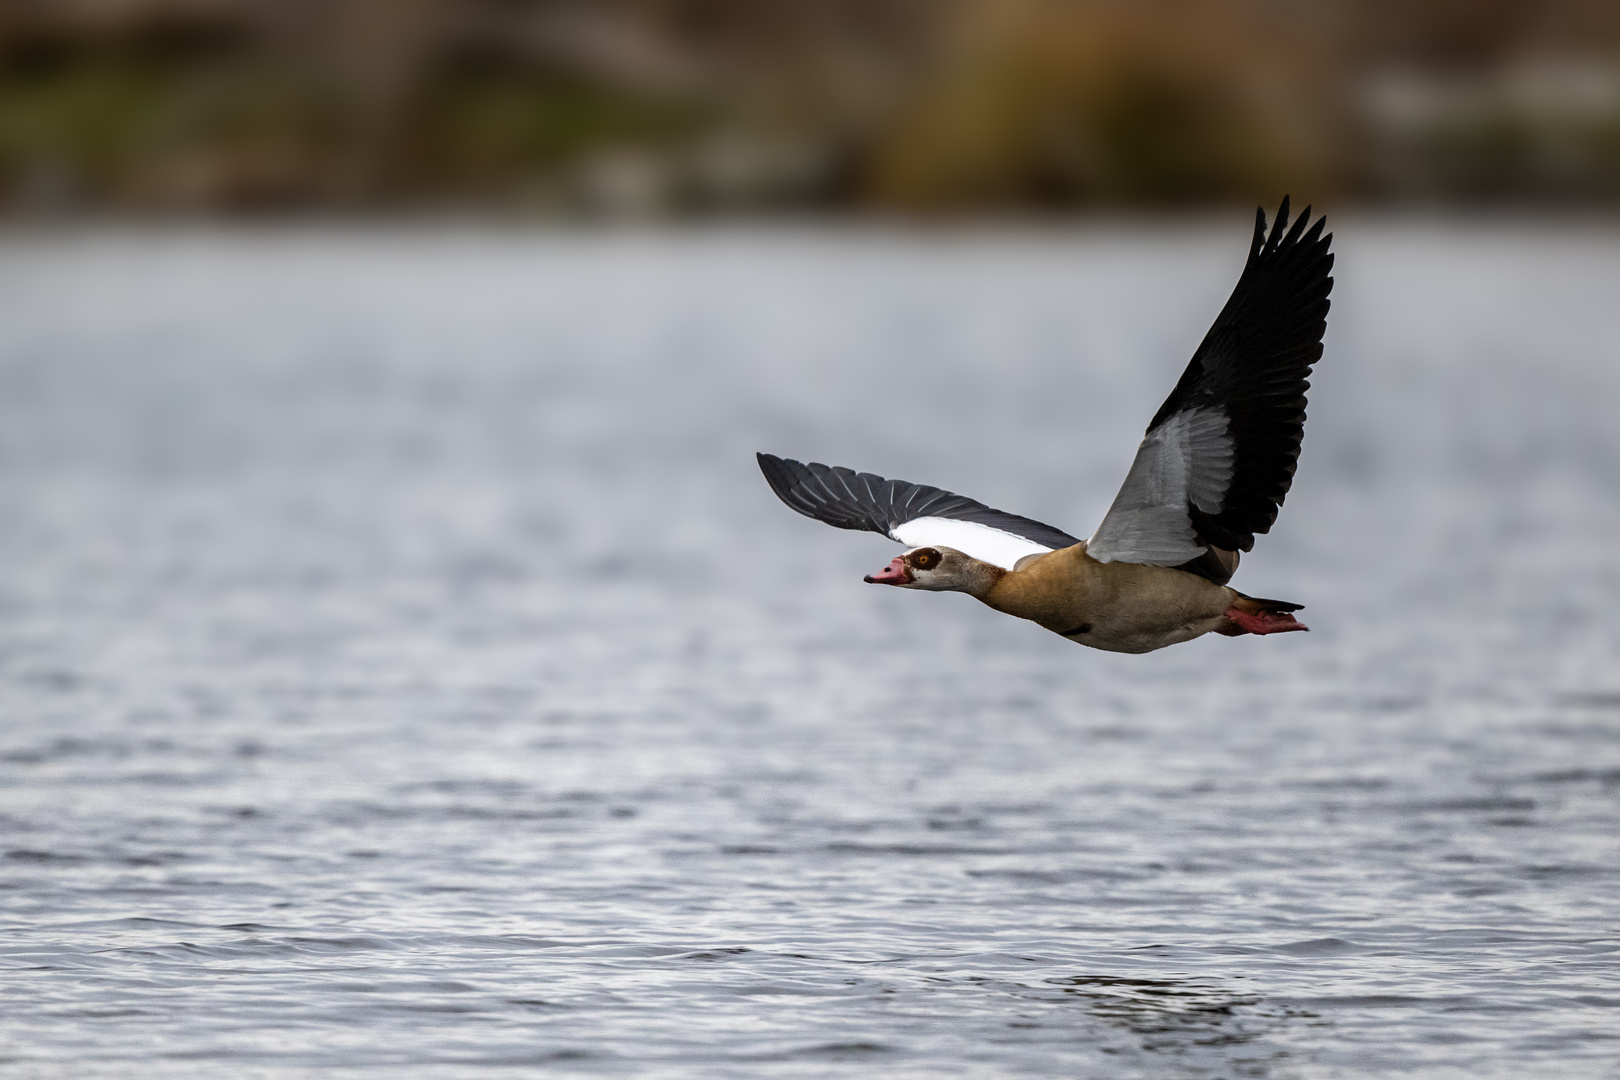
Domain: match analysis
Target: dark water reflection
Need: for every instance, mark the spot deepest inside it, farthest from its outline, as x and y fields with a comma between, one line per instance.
x=402, y=666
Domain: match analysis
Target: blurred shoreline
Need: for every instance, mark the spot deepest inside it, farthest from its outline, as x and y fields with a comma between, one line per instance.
x=661, y=109
x=1598, y=222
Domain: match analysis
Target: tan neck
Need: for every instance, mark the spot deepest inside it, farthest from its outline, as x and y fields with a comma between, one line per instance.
x=979, y=578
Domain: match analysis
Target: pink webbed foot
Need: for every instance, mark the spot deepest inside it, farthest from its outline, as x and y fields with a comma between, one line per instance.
x=1262, y=622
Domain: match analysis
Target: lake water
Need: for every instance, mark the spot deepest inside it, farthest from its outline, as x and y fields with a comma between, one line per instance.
x=404, y=669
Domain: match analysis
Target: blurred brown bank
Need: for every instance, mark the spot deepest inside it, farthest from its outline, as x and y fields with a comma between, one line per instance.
x=641, y=107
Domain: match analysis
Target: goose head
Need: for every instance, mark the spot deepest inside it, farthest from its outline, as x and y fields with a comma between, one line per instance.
x=938, y=569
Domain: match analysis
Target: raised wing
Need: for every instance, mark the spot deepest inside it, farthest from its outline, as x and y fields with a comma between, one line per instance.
x=914, y=514
x=1220, y=454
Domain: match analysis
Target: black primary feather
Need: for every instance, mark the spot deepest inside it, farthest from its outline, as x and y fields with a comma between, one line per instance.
x=1253, y=364
x=850, y=500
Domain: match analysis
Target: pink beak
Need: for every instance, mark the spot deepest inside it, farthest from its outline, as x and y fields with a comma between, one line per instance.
x=896, y=573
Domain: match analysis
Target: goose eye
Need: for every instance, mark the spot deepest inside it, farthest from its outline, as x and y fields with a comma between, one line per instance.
x=922, y=560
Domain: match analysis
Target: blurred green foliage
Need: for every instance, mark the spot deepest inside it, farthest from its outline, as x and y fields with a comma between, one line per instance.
x=934, y=105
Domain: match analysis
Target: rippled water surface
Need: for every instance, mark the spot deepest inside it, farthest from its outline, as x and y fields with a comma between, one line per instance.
x=404, y=669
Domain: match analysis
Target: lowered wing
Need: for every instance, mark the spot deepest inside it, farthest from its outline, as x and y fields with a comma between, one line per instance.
x=914, y=514
x=1220, y=454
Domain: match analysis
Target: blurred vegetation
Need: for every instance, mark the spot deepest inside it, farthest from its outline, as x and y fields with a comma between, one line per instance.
x=1058, y=104
x=656, y=106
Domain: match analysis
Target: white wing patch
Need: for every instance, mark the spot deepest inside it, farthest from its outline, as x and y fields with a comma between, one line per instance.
x=982, y=542
x=1185, y=460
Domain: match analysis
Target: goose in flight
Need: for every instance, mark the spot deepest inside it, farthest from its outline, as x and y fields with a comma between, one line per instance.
x=1216, y=462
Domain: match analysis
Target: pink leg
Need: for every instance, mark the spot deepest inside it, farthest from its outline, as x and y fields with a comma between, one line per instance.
x=1265, y=622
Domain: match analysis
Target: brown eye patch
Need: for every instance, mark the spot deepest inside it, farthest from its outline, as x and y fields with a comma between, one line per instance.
x=925, y=558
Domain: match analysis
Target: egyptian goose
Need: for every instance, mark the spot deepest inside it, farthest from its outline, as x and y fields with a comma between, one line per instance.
x=1212, y=471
